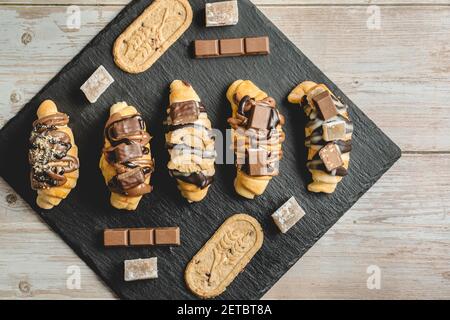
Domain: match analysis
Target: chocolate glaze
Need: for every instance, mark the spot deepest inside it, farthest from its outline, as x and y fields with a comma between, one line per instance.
x=48, y=152
x=128, y=139
x=198, y=178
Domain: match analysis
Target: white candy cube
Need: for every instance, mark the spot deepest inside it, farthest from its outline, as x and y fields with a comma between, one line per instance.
x=288, y=215
x=141, y=269
x=97, y=84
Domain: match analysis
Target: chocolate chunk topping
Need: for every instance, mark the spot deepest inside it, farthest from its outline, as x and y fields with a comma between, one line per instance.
x=125, y=152
x=331, y=156
x=325, y=105
x=129, y=141
x=184, y=112
x=48, y=152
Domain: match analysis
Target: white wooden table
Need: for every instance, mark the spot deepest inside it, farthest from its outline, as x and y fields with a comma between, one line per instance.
x=398, y=74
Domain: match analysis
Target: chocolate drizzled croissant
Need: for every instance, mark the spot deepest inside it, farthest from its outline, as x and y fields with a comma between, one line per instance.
x=126, y=160
x=328, y=135
x=257, y=137
x=53, y=156
x=190, y=142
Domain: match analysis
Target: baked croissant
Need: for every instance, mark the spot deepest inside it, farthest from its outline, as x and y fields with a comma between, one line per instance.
x=257, y=137
x=53, y=156
x=328, y=135
x=190, y=142
x=126, y=160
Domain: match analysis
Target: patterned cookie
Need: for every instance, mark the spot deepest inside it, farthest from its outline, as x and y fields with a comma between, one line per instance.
x=224, y=256
x=151, y=34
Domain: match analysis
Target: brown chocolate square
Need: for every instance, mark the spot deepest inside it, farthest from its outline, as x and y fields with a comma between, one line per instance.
x=325, y=104
x=206, y=48
x=331, y=156
x=142, y=237
x=232, y=47
x=258, y=45
x=167, y=236
x=259, y=117
x=115, y=237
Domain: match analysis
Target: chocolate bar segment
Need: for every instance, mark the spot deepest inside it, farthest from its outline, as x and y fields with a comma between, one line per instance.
x=232, y=47
x=206, y=48
x=141, y=237
x=259, y=117
x=115, y=237
x=258, y=45
x=167, y=236
x=325, y=104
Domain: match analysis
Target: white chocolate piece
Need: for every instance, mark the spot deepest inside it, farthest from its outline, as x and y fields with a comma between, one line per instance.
x=334, y=130
x=141, y=269
x=97, y=84
x=288, y=215
x=224, y=13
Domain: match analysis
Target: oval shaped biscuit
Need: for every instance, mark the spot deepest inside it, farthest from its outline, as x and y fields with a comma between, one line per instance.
x=151, y=34
x=224, y=256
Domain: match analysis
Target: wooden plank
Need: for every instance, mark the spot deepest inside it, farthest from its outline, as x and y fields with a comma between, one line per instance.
x=401, y=230
x=369, y=65
x=258, y=2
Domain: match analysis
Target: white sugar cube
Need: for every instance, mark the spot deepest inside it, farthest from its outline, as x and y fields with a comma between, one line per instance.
x=141, y=269
x=288, y=215
x=97, y=84
x=224, y=13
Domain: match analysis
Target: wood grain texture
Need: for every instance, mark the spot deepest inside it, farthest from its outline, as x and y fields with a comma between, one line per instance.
x=411, y=224
x=257, y=2
x=393, y=74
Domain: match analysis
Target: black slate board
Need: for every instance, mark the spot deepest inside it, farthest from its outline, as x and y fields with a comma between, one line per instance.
x=80, y=219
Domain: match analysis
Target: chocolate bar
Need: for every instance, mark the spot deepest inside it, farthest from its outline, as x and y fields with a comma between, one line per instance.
x=224, y=13
x=141, y=237
x=231, y=47
x=141, y=269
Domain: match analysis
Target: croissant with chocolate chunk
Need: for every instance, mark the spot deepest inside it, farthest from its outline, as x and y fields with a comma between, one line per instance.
x=53, y=156
x=190, y=142
x=257, y=137
x=126, y=160
x=328, y=135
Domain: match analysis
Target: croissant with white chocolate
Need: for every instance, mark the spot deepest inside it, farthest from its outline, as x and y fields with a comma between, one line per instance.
x=328, y=135
x=126, y=160
x=53, y=156
x=190, y=142
x=257, y=136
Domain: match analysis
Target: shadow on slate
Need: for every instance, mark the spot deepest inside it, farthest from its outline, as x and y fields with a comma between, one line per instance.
x=80, y=219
